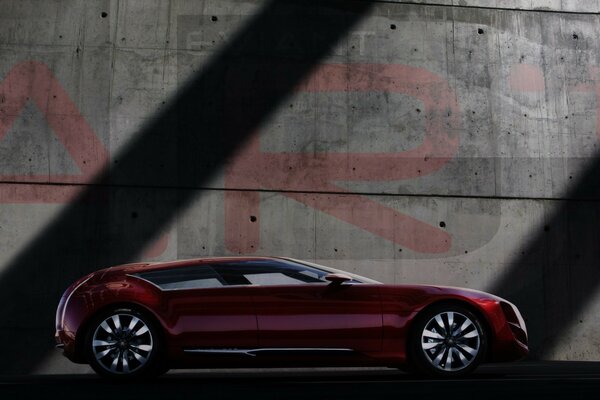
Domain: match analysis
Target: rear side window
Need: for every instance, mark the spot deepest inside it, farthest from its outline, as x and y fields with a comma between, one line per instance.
x=260, y=273
x=193, y=277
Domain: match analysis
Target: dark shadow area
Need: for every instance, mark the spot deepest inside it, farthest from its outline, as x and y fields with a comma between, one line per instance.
x=557, y=274
x=533, y=380
x=212, y=116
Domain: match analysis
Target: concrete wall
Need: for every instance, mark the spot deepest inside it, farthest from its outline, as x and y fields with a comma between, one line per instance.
x=433, y=144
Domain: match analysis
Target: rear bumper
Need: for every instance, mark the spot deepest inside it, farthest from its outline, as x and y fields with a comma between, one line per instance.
x=65, y=341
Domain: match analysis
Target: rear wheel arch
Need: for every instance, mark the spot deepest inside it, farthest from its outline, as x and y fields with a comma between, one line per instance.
x=82, y=332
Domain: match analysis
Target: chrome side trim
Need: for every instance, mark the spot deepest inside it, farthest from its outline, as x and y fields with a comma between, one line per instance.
x=252, y=352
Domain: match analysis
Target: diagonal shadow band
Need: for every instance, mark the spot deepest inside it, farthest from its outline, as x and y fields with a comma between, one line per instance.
x=557, y=274
x=211, y=117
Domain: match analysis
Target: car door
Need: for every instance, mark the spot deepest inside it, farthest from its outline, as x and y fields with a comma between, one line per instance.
x=296, y=308
x=203, y=312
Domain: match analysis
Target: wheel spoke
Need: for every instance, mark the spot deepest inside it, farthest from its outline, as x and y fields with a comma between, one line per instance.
x=106, y=327
x=471, y=334
x=464, y=326
x=113, y=366
x=433, y=335
x=440, y=322
x=100, y=343
x=448, y=364
x=436, y=361
x=124, y=361
x=143, y=347
x=461, y=357
x=141, y=331
x=133, y=323
x=468, y=349
x=139, y=357
x=103, y=353
x=117, y=321
x=431, y=345
x=450, y=321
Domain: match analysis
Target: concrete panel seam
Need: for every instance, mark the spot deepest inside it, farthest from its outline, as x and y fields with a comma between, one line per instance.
x=284, y=191
x=531, y=10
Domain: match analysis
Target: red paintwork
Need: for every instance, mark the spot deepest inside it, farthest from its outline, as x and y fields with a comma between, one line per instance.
x=372, y=319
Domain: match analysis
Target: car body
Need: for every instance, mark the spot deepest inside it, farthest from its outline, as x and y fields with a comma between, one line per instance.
x=144, y=318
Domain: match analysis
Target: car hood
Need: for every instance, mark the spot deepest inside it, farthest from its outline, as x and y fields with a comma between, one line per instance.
x=448, y=290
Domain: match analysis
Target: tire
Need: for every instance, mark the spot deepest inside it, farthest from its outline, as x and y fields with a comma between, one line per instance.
x=447, y=340
x=124, y=343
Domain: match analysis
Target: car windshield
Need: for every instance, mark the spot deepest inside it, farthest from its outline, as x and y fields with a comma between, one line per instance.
x=354, y=277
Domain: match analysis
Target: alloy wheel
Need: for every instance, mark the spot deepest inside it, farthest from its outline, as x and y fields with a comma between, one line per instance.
x=122, y=343
x=450, y=341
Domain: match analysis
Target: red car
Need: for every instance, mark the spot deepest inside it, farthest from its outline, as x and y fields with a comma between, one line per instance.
x=142, y=319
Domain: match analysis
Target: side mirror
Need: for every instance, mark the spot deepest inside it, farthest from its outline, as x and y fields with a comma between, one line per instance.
x=337, y=278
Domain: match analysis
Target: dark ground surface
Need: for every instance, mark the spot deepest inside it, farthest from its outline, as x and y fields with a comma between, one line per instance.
x=550, y=380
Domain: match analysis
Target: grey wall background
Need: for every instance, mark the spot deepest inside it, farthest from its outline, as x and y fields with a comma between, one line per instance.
x=438, y=142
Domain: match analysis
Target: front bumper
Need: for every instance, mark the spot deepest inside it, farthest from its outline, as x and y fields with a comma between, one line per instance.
x=511, y=339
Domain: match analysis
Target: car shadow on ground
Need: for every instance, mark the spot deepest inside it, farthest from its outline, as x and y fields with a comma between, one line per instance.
x=528, y=379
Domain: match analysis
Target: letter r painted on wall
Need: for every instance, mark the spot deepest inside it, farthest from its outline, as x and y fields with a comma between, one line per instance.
x=316, y=173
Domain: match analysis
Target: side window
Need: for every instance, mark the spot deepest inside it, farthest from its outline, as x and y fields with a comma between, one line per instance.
x=262, y=273
x=193, y=277
x=273, y=278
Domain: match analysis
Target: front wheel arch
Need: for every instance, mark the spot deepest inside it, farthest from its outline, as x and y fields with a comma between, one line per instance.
x=422, y=313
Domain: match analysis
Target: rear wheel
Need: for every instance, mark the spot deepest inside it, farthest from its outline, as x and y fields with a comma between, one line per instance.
x=447, y=340
x=123, y=343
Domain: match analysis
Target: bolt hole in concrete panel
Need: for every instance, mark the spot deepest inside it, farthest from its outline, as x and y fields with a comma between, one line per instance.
x=104, y=14
x=252, y=218
x=480, y=31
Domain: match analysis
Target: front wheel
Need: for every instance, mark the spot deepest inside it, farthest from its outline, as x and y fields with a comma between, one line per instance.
x=123, y=343
x=447, y=340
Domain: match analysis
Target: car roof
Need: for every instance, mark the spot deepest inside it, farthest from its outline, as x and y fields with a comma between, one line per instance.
x=150, y=266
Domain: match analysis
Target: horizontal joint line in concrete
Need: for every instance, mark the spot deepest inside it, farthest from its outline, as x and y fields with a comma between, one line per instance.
x=82, y=47
x=540, y=10
x=284, y=191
